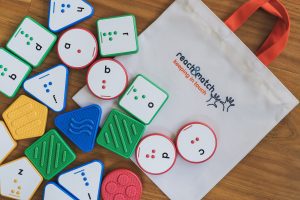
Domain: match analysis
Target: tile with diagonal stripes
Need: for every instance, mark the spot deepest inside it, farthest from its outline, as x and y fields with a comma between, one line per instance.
x=120, y=133
x=50, y=154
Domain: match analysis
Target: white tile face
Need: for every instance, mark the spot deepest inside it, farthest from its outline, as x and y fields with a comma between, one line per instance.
x=83, y=182
x=156, y=154
x=143, y=99
x=63, y=13
x=12, y=73
x=107, y=78
x=117, y=35
x=7, y=143
x=77, y=48
x=196, y=142
x=19, y=179
x=31, y=41
x=50, y=87
x=54, y=192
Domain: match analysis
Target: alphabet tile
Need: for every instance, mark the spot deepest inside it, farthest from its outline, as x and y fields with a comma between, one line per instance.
x=77, y=48
x=196, y=142
x=156, y=154
x=19, y=179
x=117, y=35
x=83, y=182
x=64, y=13
x=32, y=42
x=143, y=99
x=107, y=78
x=13, y=72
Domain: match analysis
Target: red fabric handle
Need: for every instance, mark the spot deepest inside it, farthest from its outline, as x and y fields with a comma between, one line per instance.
x=278, y=38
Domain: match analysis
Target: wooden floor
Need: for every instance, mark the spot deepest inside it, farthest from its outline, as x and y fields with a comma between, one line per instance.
x=271, y=171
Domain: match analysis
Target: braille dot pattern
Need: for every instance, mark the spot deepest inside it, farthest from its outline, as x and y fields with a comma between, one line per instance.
x=64, y=7
x=195, y=140
x=27, y=36
x=84, y=178
x=153, y=154
x=46, y=86
x=3, y=69
x=110, y=34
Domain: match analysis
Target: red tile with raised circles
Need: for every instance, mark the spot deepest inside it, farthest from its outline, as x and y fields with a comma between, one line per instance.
x=121, y=184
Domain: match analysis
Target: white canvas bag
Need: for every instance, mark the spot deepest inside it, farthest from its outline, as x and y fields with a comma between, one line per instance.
x=247, y=99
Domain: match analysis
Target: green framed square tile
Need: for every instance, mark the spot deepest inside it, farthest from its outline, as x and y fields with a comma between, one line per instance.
x=117, y=35
x=31, y=41
x=13, y=72
x=50, y=154
x=120, y=133
x=143, y=99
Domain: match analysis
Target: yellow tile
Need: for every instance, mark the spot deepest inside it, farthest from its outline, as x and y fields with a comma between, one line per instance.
x=26, y=118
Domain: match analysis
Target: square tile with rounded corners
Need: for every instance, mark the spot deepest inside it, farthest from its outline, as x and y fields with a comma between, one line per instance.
x=50, y=87
x=19, y=179
x=117, y=35
x=31, y=41
x=143, y=99
x=83, y=182
x=50, y=154
x=7, y=143
x=13, y=71
x=25, y=118
x=120, y=133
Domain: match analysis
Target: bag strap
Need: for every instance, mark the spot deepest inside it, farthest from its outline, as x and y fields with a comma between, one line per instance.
x=278, y=38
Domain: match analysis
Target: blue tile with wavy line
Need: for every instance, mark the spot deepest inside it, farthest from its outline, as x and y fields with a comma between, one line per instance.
x=81, y=126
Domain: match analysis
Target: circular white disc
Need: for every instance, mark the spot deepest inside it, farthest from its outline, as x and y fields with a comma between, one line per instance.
x=107, y=78
x=155, y=154
x=77, y=48
x=196, y=142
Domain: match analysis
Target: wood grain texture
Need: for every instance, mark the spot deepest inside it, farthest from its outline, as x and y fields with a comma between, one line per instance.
x=270, y=171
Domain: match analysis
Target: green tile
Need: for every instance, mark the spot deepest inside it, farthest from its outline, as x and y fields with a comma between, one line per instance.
x=49, y=47
x=50, y=154
x=115, y=32
x=120, y=133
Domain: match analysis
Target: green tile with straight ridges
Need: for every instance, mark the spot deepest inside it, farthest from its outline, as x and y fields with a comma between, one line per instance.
x=50, y=154
x=120, y=133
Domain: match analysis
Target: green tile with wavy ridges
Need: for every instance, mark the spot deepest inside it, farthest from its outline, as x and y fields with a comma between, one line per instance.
x=120, y=133
x=50, y=154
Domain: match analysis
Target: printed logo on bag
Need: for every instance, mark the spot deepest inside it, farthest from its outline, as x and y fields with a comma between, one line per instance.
x=194, y=74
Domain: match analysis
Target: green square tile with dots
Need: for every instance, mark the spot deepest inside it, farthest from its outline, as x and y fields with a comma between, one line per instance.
x=143, y=99
x=31, y=42
x=117, y=36
x=13, y=71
